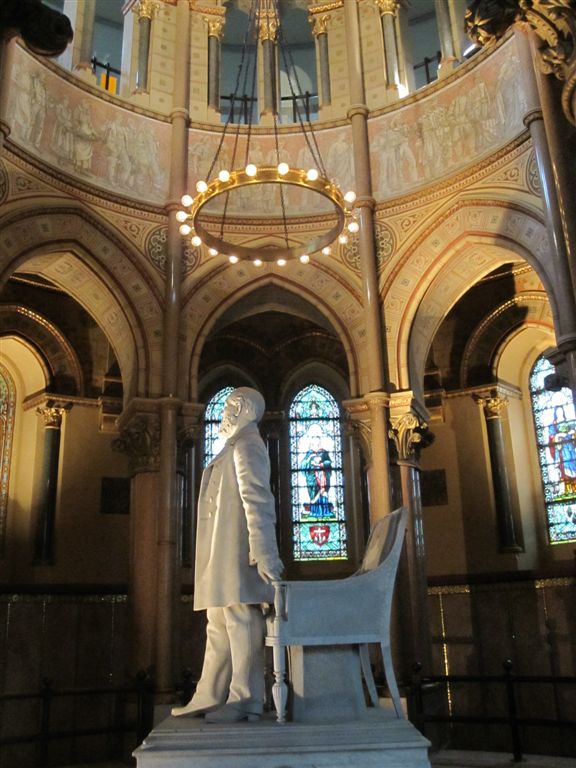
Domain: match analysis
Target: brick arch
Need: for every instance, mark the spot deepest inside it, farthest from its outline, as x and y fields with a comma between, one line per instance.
x=466, y=242
x=338, y=304
x=75, y=251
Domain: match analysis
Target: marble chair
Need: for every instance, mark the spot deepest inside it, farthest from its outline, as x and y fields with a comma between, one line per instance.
x=327, y=626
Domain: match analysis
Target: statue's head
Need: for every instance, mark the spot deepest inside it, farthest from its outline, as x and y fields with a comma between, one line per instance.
x=243, y=406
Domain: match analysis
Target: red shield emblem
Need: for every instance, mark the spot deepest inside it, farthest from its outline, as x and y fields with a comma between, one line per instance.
x=320, y=534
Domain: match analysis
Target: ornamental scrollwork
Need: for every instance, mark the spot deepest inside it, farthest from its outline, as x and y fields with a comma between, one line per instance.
x=141, y=443
x=553, y=22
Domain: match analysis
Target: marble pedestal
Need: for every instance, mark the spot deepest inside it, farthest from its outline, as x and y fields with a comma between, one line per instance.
x=377, y=740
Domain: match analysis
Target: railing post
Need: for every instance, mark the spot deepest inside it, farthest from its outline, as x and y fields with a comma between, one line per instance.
x=512, y=712
x=46, y=693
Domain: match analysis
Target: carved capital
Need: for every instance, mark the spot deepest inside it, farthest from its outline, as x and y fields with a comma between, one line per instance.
x=215, y=26
x=319, y=24
x=387, y=7
x=495, y=406
x=267, y=26
x=140, y=441
x=409, y=434
x=52, y=414
x=553, y=22
x=146, y=9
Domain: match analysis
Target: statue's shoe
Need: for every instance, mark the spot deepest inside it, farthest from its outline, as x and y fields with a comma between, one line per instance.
x=231, y=713
x=192, y=711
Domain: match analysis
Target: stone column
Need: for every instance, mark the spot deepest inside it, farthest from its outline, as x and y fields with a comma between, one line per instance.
x=86, y=43
x=388, y=10
x=376, y=399
x=408, y=433
x=6, y=65
x=320, y=32
x=52, y=414
x=140, y=440
x=215, y=32
x=267, y=31
x=449, y=60
x=146, y=10
x=506, y=499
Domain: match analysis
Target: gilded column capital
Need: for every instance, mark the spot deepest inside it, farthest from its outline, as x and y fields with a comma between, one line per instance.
x=552, y=21
x=146, y=9
x=267, y=26
x=387, y=7
x=409, y=434
x=140, y=441
x=215, y=26
x=52, y=413
x=319, y=24
x=495, y=405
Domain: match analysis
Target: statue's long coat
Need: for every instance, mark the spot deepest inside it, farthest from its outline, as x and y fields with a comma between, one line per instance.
x=236, y=524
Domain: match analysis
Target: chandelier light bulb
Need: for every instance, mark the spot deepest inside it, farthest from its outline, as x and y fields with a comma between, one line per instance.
x=233, y=259
x=350, y=196
x=312, y=174
x=212, y=251
x=251, y=169
x=304, y=258
x=224, y=175
x=257, y=262
x=343, y=239
x=185, y=229
x=186, y=201
x=353, y=226
x=196, y=240
x=281, y=262
x=201, y=186
x=283, y=168
x=181, y=216
x=327, y=250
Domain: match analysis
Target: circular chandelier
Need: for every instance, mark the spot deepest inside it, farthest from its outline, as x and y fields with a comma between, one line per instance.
x=217, y=232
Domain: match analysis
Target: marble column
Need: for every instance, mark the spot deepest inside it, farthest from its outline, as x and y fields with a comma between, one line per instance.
x=388, y=10
x=45, y=506
x=267, y=31
x=408, y=431
x=377, y=399
x=320, y=32
x=86, y=43
x=506, y=499
x=449, y=60
x=139, y=439
x=215, y=32
x=146, y=11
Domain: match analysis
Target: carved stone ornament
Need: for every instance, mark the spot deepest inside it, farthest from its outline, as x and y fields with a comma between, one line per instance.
x=495, y=407
x=319, y=24
x=52, y=415
x=141, y=443
x=147, y=9
x=553, y=22
x=215, y=26
x=387, y=7
x=409, y=434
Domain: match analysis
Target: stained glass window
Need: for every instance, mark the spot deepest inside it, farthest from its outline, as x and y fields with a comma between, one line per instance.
x=317, y=487
x=555, y=422
x=213, y=443
x=7, y=410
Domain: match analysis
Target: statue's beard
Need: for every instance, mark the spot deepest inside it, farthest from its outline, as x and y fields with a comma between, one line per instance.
x=227, y=427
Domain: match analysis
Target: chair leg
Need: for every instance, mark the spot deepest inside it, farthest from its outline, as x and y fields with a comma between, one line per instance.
x=391, y=679
x=279, y=688
x=367, y=672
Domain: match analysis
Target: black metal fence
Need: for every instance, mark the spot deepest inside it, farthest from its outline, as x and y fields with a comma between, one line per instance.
x=109, y=82
x=512, y=720
x=131, y=712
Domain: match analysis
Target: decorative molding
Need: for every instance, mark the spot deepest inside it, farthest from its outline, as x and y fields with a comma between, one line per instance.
x=552, y=21
x=325, y=7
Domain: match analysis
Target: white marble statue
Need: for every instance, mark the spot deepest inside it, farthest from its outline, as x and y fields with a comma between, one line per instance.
x=236, y=561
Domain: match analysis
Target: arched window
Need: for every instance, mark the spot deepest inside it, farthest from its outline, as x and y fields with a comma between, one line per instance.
x=7, y=409
x=316, y=482
x=555, y=423
x=213, y=443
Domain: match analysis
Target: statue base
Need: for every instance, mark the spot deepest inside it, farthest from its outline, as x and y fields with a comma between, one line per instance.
x=377, y=740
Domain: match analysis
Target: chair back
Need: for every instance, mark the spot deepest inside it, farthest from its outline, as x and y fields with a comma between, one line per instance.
x=383, y=536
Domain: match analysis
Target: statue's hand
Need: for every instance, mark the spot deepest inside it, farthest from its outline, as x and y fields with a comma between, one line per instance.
x=270, y=568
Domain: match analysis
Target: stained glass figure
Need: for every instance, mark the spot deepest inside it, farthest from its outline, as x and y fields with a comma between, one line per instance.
x=213, y=443
x=317, y=488
x=555, y=422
